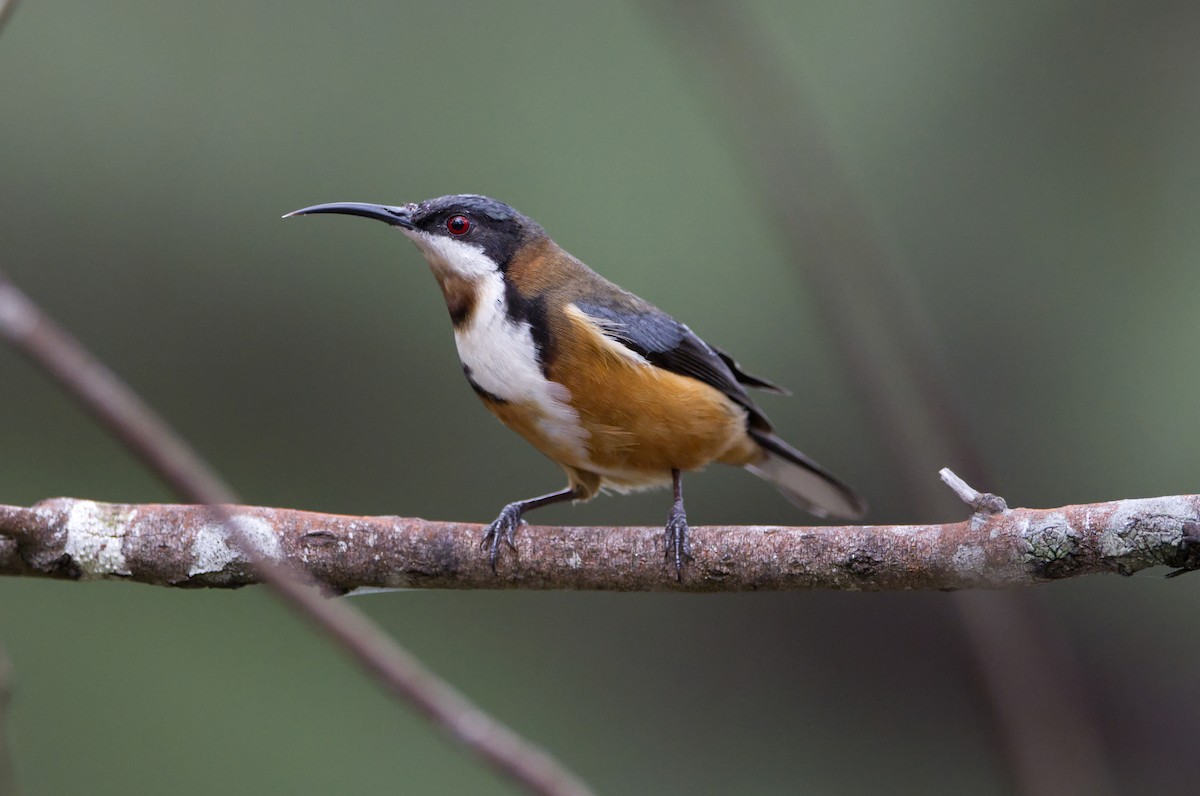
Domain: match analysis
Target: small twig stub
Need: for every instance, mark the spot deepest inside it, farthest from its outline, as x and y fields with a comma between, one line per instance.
x=980, y=502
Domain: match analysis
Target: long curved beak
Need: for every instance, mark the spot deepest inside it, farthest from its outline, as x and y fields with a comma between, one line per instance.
x=396, y=216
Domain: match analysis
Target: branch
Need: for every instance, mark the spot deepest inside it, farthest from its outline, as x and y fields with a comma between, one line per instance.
x=185, y=546
x=874, y=315
x=99, y=549
x=7, y=7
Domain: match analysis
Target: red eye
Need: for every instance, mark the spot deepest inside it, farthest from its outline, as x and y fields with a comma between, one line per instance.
x=458, y=225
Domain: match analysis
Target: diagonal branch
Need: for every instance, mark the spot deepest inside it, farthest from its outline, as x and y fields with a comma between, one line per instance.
x=184, y=546
x=886, y=339
x=7, y=7
x=116, y=407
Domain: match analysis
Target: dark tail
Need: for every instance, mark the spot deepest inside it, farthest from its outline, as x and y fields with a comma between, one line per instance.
x=804, y=482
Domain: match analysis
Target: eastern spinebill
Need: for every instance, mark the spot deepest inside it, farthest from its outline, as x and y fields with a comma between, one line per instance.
x=609, y=387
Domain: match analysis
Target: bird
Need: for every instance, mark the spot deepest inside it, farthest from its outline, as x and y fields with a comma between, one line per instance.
x=615, y=391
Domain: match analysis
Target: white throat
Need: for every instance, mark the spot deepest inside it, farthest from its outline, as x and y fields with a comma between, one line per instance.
x=449, y=257
x=499, y=353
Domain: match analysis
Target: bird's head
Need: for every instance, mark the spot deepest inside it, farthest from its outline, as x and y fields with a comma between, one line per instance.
x=463, y=235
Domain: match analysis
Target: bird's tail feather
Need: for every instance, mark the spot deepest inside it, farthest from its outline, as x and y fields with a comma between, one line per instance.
x=804, y=482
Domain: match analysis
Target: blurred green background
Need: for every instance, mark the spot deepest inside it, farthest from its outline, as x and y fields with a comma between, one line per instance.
x=1031, y=167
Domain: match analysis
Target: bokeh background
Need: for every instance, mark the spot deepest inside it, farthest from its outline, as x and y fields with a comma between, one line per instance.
x=1030, y=169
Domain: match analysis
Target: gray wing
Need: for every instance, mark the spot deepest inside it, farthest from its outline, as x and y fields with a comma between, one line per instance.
x=666, y=343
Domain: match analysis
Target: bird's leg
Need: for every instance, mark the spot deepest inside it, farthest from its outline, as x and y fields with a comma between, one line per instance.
x=504, y=526
x=676, y=542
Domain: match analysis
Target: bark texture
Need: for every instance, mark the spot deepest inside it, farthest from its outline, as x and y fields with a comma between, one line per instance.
x=185, y=546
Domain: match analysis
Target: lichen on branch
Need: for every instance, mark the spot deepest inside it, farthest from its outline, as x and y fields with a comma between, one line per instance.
x=186, y=546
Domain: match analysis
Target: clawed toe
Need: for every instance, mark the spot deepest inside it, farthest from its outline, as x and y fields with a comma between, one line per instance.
x=503, y=529
x=676, y=544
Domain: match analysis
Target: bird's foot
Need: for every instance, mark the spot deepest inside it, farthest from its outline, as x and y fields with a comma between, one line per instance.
x=502, y=529
x=677, y=546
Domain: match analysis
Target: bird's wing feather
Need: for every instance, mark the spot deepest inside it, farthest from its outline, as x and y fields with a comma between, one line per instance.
x=666, y=343
x=750, y=380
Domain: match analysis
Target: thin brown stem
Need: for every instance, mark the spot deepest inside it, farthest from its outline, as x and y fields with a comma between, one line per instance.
x=7, y=7
x=882, y=333
x=119, y=409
